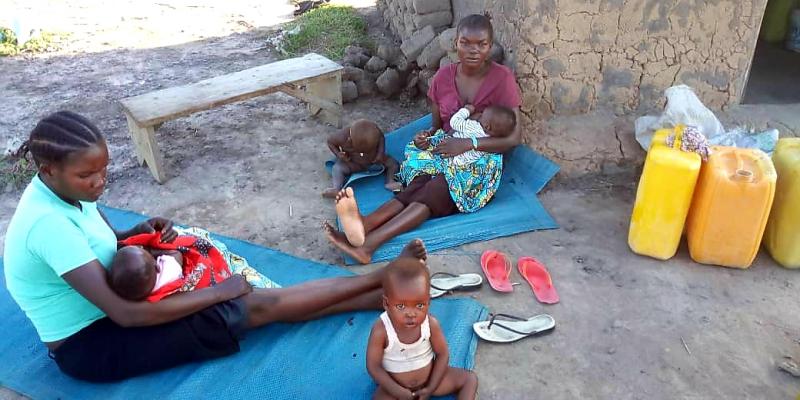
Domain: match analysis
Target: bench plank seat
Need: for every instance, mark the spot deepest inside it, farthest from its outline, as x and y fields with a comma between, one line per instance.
x=311, y=78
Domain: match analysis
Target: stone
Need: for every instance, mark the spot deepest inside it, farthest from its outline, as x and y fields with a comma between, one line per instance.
x=430, y=6
x=413, y=46
x=413, y=80
x=497, y=53
x=376, y=64
x=403, y=65
x=447, y=39
x=408, y=23
x=352, y=74
x=349, y=91
x=355, y=60
x=435, y=20
x=366, y=85
x=389, y=82
x=431, y=56
x=355, y=50
x=425, y=77
x=388, y=52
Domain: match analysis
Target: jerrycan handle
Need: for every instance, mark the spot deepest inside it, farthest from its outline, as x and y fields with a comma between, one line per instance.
x=676, y=144
x=742, y=174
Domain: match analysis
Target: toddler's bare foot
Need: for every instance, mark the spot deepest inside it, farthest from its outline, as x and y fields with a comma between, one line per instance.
x=340, y=241
x=350, y=217
x=330, y=193
x=415, y=249
x=394, y=186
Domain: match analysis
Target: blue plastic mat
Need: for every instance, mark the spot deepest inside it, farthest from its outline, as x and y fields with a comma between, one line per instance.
x=322, y=359
x=514, y=208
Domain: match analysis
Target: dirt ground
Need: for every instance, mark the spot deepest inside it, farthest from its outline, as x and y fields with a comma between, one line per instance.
x=240, y=169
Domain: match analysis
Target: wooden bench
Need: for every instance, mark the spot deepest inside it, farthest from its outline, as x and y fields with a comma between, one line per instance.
x=312, y=78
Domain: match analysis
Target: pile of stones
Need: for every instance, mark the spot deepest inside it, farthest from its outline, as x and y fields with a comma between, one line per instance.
x=426, y=43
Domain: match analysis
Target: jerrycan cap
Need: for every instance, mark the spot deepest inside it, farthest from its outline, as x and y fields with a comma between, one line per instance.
x=742, y=175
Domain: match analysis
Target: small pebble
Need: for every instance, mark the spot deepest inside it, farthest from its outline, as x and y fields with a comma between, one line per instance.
x=616, y=324
x=612, y=350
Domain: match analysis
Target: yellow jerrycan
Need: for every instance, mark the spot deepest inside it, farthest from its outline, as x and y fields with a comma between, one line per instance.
x=782, y=238
x=663, y=197
x=731, y=206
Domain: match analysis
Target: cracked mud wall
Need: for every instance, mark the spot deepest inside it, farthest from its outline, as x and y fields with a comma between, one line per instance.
x=574, y=56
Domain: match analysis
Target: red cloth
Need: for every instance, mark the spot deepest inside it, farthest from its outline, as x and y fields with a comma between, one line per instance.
x=499, y=87
x=203, y=264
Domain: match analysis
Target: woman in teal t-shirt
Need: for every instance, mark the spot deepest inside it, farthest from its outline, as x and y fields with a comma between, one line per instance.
x=59, y=245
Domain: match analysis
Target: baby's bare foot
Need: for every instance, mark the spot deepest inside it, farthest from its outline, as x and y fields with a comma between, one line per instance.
x=350, y=217
x=415, y=249
x=340, y=241
x=330, y=193
x=394, y=186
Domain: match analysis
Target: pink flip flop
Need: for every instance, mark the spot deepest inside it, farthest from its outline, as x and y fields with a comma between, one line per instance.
x=537, y=276
x=497, y=268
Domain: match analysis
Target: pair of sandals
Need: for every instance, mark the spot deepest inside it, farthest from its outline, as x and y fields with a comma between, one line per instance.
x=497, y=268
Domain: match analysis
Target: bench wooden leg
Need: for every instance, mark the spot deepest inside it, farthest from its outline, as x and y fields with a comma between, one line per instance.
x=144, y=141
x=329, y=89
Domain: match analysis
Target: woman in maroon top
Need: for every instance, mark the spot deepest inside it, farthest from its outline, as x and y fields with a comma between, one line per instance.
x=475, y=80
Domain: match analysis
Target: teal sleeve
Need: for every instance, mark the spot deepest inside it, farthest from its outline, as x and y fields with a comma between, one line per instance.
x=59, y=243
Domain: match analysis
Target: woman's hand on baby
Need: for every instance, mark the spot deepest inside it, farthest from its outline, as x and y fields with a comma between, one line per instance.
x=159, y=224
x=233, y=287
x=451, y=147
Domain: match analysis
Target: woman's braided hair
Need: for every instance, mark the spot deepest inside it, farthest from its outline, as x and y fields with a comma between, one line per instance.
x=58, y=135
x=476, y=22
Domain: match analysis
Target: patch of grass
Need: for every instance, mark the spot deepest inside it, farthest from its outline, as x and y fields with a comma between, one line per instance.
x=42, y=42
x=326, y=30
x=16, y=171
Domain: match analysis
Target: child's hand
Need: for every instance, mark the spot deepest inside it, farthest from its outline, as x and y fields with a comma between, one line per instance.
x=403, y=394
x=423, y=394
x=421, y=139
x=470, y=108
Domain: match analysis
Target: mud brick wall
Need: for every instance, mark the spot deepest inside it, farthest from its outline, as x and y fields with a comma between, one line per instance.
x=575, y=56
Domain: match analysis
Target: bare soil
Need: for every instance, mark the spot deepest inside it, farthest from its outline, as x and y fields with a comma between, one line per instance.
x=253, y=170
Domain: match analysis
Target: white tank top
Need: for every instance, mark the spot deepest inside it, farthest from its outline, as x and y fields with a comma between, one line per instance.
x=401, y=357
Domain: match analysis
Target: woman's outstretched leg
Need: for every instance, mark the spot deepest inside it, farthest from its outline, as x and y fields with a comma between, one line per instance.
x=322, y=297
x=411, y=217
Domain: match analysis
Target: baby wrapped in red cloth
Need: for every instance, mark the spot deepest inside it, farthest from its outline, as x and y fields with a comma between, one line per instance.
x=147, y=268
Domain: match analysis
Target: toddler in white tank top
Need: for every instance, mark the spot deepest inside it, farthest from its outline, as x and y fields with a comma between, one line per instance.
x=407, y=353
